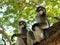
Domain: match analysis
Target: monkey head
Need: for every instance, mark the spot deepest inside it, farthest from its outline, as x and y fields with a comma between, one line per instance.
x=35, y=26
x=22, y=24
x=41, y=10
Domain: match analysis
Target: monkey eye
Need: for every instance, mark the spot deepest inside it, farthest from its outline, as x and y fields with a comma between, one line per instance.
x=22, y=24
x=40, y=8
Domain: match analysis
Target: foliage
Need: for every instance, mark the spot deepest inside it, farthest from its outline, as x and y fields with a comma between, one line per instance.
x=11, y=11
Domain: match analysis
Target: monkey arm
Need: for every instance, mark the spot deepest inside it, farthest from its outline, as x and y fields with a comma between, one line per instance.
x=31, y=35
x=48, y=22
x=57, y=18
x=13, y=36
x=16, y=35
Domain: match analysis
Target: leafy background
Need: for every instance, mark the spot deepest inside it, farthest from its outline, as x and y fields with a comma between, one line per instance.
x=12, y=11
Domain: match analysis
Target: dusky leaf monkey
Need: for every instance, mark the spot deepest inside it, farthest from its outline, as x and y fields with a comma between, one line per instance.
x=21, y=37
x=41, y=17
x=36, y=35
x=41, y=23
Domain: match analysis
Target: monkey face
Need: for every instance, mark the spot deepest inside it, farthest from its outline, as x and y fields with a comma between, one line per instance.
x=41, y=12
x=22, y=24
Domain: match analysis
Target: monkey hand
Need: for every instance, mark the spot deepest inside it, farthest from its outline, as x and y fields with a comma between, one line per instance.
x=16, y=35
x=31, y=35
x=57, y=18
x=13, y=36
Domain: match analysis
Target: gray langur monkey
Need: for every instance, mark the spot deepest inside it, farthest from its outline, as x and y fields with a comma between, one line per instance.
x=21, y=37
x=36, y=35
x=41, y=17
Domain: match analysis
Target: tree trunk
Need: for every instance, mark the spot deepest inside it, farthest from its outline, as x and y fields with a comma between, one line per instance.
x=54, y=35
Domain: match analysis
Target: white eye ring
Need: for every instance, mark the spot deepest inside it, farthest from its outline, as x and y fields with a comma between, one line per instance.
x=39, y=8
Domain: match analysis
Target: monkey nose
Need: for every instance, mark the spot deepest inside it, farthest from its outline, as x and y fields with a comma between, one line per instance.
x=22, y=25
x=41, y=12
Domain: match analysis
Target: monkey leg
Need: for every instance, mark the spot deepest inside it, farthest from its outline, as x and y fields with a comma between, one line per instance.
x=20, y=41
x=30, y=40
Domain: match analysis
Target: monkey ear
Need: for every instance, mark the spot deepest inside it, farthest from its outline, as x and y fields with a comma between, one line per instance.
x=31, y=35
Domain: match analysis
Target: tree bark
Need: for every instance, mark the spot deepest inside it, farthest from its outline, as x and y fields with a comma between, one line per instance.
x=54, y=35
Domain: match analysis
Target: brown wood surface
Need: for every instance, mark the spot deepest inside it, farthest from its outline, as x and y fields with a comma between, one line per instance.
x=54, y=38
